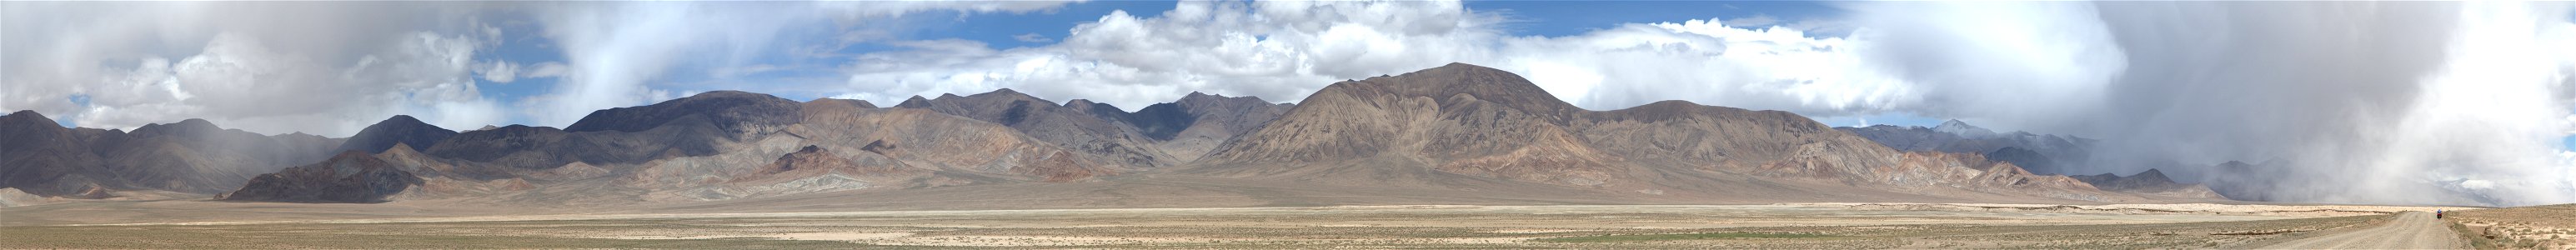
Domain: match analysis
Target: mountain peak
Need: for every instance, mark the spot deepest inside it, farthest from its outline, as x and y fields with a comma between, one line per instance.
x=398, y=130
x=1006, y=94
x=1465, y=66
x=727, y=109
x=1962, y=129
x=2152, y=174
x=728, y=94
x=915, y=102
x=402, y=119
x=1442, y=83
x=195, y=122
x=1198, y=97
x=853, y=103
x=189, y=126
x=27, y=115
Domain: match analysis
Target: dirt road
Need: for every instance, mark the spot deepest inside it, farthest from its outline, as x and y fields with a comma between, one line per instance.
x=2410, y=230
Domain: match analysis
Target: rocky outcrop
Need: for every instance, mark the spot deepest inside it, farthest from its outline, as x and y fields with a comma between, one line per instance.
x=350, y=177
x=401, y=129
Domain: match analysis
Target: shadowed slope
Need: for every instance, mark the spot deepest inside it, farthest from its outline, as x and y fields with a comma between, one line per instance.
x=401, y=129
x=190, y=156
x=351, y=177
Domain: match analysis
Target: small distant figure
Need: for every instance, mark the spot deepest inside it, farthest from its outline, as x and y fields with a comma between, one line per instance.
x=2437, y=214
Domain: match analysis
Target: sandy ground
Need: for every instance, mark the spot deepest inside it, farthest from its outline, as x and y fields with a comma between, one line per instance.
x=1819, y=225
x=2532, y=227
x=2409, y=230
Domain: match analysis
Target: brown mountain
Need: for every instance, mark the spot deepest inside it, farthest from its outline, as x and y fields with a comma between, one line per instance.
x=1470, y=127
x=43, y=158
x=1457, y=134
x=723, y=145
x=191, y=156
x=1091, y=129
x=1197, y=123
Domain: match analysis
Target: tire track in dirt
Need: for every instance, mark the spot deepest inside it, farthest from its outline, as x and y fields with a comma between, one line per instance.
x=2409, y=230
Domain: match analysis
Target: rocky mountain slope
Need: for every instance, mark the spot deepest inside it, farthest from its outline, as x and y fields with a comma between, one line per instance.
x=352, y=177
x=1091, y=129
x=2045, y=154
x=1159, y=135
x=1197, y=123
x=1469, y=127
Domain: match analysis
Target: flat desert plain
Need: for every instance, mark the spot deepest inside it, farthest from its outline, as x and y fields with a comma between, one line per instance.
x=217, y=225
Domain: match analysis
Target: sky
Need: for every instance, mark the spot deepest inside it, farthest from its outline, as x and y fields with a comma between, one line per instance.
x=2425, y=102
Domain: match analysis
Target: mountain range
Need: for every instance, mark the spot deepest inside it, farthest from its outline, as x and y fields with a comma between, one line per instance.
x=2040, y=153
x=1455, y=134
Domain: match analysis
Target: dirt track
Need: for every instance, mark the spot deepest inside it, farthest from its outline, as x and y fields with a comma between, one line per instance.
x=2409, y=230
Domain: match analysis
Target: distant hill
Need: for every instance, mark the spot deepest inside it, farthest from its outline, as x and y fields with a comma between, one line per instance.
x=2040, y=153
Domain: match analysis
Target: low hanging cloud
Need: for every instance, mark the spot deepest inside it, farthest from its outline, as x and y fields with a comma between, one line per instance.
x=141, y=63
x=331, y=68
x=2383, y=102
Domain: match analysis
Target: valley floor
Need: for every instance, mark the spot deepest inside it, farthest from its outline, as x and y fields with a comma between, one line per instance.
x=1798, y=225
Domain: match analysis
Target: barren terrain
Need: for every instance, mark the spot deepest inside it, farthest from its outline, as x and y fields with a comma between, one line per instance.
x=2532, y=227
x=2409, y=230
x=1794, y=225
